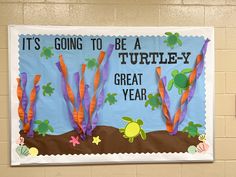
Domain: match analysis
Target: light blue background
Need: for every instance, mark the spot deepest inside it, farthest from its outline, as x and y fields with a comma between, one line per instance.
x=54, y=107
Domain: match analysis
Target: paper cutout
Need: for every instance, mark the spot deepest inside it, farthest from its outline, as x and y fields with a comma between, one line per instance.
x=180, y=80
x=47, y=89
x=84, y=126
x=172, y=124
x=93, y=91
x=20, y=141
x=172, y=40
x=33, y=151
x=91, y=63
x=93, y=101
x=202, y=137
x=93, y=113
x=69, y=96
x=192, y=149
x=96, y=140
x=47, y=52
x=27, y=118
x=111, y=98
x=192, y=129
x=202, y=147
x=74, y=140
x=154, y=101
x=133, y=129
x=43, y=127
x=22, y=151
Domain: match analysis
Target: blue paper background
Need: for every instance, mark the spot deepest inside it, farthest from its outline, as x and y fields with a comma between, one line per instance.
x=54, y=107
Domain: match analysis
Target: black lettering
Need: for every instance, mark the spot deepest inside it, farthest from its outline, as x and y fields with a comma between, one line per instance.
x=186, y=56
x=137, y=44
x=123, y=55
x=172, y=58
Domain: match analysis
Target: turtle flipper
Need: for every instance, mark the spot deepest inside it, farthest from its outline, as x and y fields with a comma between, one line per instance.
x=168, y=33
x=50, y=128
x=170, y=84
x=179, y=42
x=177, y=34
x=180, y=91
x=127, y=119
x=143, y=134
x=41, y=54
x=37, y=122
x=131, y=140
x=185, y=129
x=174, y=72
x=186, y=70
x=121, y=130
x=124, y=136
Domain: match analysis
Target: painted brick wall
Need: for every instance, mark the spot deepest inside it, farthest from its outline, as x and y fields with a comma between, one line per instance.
x=218, y=13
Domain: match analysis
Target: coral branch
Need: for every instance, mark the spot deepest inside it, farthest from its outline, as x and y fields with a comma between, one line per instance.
x=27, y=118
x=172, y=125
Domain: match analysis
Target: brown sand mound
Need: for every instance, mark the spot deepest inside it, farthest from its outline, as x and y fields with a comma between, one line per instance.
x=112, y=141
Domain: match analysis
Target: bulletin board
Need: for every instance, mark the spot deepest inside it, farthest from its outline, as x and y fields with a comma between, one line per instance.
x=81, y=95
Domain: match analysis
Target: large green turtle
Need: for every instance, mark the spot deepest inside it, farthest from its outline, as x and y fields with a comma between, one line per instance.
x=133, y=129
x=172, y=40
x=192, y=129
x=180, y=80
x=153, y=101
x=43, y=127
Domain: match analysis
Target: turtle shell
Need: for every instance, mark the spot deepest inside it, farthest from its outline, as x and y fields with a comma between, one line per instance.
x=181, y=81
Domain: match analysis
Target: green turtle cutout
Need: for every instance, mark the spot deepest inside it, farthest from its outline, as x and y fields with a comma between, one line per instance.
x=180, y=80
x=133, y=129
x=43, y=127
x=111, y=98
x=192, y=129
x=91, y=63
x=47, y=89
x=47, y=52
x=172, y=40
x=154, y=101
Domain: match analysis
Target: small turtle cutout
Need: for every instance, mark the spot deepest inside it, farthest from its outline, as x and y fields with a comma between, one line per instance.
x=172, y=40
x=153, y=101
x=111, y=98
x=43, y=127
x=192, y=129
x=47, y=52
x=133, y=129
x=48, y=89
x=91, y=63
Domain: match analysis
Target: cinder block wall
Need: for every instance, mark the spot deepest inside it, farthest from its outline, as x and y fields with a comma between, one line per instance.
x=218, y=13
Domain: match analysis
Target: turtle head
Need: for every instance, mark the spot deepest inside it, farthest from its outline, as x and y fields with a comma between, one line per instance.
x=150, y=96
x=46, y=122
x=140, y=122
x=177, y=34
x=168, y=33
